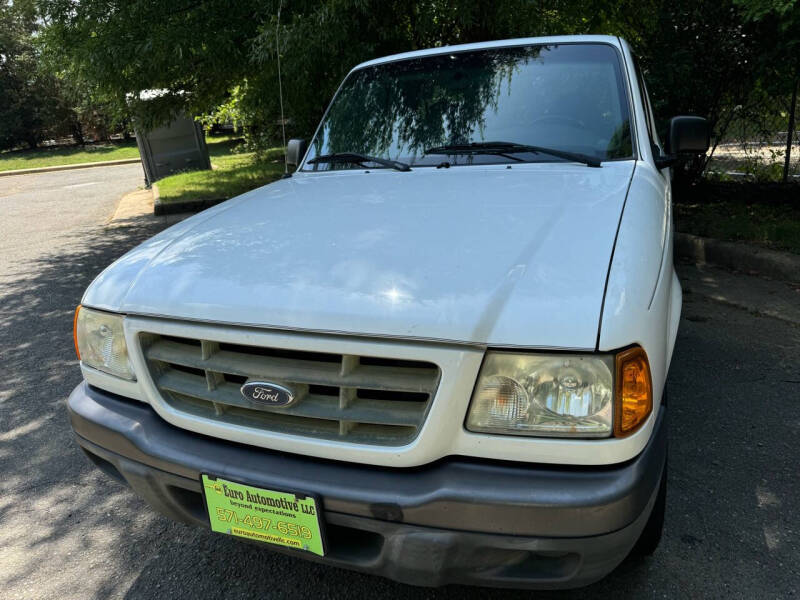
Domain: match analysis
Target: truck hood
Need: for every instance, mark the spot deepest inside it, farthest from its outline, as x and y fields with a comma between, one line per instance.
x=488, y=255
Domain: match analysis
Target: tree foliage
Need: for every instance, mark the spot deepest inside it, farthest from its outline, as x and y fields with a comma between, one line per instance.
x=779, y=57
x=40, y=98
x=194, y=51
x=778, y=25
x=321, y=41
x=30, y=101
x=218, y=58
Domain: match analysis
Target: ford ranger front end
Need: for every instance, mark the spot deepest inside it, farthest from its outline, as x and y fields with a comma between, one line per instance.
x=437, y=352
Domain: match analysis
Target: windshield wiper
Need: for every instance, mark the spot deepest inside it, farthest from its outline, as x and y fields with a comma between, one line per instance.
x=507, y=148
x=358, y=159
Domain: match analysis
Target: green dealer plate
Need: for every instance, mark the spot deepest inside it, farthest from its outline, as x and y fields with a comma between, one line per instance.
x=278, y=518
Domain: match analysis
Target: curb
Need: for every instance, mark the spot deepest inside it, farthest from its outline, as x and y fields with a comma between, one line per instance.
x=133, y=205
x=173, y=208
x=759, y=296
x=107, y=163
x=738, y=257
x=137, y=208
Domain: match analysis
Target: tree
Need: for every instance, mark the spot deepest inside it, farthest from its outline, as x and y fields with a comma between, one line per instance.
x=211, y=53
x=31, y=108
x=195, y=51
x=698, y=58
x=219, y=58
x=779, y=55
x=320, y=42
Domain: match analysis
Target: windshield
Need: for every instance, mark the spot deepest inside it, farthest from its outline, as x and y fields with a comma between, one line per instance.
x=567, y=97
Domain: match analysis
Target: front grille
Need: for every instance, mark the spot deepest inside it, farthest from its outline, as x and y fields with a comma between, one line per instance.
x=359, y=399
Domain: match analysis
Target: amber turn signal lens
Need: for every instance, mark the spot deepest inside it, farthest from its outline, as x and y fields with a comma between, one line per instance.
x=634, y=391
x=75, y=331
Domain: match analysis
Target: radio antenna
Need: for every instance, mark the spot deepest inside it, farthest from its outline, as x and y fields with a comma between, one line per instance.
x=280, y=91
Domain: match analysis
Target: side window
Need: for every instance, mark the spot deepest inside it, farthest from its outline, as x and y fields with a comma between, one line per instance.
x=655, y=143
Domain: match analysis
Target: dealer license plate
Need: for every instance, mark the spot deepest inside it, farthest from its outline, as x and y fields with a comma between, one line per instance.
x=278, y=518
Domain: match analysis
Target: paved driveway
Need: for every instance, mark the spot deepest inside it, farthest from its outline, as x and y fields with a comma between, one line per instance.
x=43, y=212
x=66, y=531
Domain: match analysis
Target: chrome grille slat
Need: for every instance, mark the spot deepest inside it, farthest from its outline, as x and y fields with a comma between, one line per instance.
x=378, y=412
x=362, y=433
x=380, y=401
x=404, y=379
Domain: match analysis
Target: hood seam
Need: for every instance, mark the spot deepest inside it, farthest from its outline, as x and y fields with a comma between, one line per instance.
x=611, y=258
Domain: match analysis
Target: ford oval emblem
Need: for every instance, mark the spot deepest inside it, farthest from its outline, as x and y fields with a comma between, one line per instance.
x=267, y=394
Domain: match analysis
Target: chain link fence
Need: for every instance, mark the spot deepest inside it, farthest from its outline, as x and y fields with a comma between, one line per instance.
x=751, y=143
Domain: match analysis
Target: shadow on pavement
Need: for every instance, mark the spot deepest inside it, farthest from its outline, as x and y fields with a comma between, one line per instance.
x=57, y=515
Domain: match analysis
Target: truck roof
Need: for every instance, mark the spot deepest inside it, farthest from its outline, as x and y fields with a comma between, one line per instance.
x=553, y=39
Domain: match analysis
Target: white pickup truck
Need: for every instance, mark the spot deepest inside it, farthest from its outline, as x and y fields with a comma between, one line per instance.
x=438, y=350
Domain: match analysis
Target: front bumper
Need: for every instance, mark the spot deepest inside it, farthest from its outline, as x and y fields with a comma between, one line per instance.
x=453, y=521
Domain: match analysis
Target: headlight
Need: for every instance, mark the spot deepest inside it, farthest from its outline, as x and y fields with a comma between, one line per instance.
x=100, y=342
x=548, y=395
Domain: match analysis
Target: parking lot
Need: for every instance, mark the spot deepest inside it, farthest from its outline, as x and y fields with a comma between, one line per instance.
x=67, y=531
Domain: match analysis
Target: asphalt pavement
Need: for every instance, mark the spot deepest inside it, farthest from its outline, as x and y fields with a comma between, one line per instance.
x=67, y=531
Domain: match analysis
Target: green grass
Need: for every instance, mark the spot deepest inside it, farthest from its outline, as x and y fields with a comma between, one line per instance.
x=51, y=157
x=775, y=225
x=234, y=173
x=221, y=145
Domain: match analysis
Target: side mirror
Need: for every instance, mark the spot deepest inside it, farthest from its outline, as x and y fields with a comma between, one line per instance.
x=688, y=135
x=295, y=151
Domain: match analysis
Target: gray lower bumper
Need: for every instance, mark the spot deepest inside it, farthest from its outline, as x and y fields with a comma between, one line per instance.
x=454, y=521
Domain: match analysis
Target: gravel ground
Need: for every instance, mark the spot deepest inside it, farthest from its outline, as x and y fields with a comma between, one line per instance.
x=66, y=531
